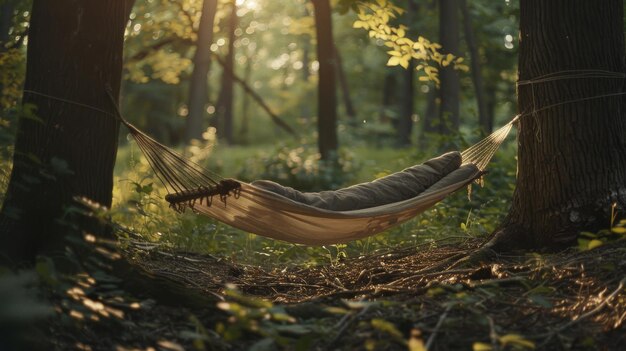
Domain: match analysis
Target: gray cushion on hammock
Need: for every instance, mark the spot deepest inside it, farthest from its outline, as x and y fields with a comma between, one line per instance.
x=392, y=188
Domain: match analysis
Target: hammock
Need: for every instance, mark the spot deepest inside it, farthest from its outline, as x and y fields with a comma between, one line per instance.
x=331, y=217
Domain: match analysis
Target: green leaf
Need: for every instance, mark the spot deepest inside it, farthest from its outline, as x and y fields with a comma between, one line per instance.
x=393, y=61
x=594, y=243
x=404, y=62
x=416, y=344
x=360, y=24
x=387, y=327
x=297, y=329
x=481, y=346
x=435, y=291
x=540, y=300
x=516, y=339
x=618, y=230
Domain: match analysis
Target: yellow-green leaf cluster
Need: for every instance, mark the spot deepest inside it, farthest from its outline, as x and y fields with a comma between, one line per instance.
x=166, y=66
x=516, y=341
x=589, y=240
x=375, y=17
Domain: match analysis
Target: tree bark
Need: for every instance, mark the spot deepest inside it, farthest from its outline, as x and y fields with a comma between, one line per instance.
x=245, y=101
x=450, y=84
x=483, y=118
x=431, y=122
x=571, y=157
x=345, y=88
x=404, y=123
x=198, y=85
x=326, y=93
x=224, y=108
x=389, y=93
x=306, y=108
x=74, y=52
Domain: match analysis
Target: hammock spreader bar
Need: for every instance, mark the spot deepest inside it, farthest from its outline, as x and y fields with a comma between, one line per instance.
x=262, y=207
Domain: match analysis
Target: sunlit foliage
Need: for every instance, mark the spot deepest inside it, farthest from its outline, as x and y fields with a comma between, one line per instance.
x=376, y=17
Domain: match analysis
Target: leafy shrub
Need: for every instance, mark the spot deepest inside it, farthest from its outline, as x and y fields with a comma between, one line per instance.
x=301, y=168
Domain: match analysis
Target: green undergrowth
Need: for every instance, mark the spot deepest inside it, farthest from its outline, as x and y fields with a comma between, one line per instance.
x=140, y=208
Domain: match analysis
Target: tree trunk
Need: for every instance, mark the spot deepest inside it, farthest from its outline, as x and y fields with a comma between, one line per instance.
x=326, y=93
x=431, y=122
x=389, y=93
x=306, y=108
x=245, y=101
x=450, y=85
x=483, y=119
x=198, y=86
x=345, y=88
x=572, y=157
x=74, y=52
x=404, y=124
x=490, y=106
x=225, y=102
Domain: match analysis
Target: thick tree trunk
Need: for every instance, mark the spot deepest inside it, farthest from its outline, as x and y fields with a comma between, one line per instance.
x=450, y=84
x=225, y=101
x=572, y=157
x=74, y=52
x=326, y=93
x=198, y=86
x=477, y=78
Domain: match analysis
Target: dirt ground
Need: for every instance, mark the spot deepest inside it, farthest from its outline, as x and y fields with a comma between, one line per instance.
x=408, y=298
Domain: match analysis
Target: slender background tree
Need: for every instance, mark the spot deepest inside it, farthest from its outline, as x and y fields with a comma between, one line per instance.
x=326, y=93
x=224, y=106
x=449, y=92
x=198, y=83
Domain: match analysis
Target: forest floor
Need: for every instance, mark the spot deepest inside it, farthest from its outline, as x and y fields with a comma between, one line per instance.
x=407, y=298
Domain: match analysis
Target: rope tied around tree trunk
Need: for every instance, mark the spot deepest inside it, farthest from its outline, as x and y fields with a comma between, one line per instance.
x=562, y=76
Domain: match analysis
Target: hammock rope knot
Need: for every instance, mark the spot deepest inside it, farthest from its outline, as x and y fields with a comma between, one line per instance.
x=225, y=188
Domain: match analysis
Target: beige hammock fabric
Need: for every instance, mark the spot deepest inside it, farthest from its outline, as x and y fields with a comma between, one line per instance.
x=268, y=209
x=272, y=215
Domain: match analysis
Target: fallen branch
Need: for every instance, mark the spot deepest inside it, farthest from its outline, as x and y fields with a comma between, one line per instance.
x=432, y=336
x=585, y=315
